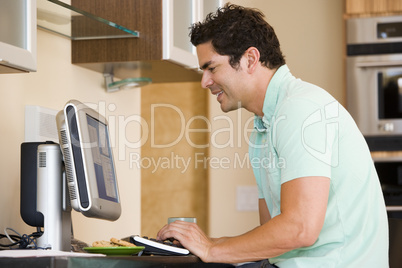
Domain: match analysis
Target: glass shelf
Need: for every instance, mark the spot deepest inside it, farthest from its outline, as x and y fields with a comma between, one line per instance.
x=62, y=18
x=128, y=83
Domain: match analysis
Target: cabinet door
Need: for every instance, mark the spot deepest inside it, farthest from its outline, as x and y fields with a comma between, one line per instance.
x=209, y=6
x=178, y=15
x=17, y=36
x=372, y=7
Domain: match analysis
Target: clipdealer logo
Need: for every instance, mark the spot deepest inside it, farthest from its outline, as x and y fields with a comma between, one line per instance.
x=224, y=132
x=200, y=160
x=121, y=130
x=329, y=151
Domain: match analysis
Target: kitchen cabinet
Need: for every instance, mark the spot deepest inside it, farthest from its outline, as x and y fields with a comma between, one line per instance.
x=175, y=190
x=356, y=8
x=162, y=51
x=17, y=36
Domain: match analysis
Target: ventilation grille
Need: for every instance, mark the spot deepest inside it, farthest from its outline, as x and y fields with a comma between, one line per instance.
x=63, y=137
x=67, y=161
x=42, y=159
x=69, y=173
x=71, y=191
x=68, y=166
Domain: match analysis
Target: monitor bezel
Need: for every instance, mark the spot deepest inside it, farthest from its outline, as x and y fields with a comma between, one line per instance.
x=97, y=207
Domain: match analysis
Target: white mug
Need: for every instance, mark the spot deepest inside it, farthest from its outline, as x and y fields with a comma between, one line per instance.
x=187, y=219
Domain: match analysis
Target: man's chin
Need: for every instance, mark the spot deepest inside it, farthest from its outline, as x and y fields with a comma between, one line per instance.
x=228, y=109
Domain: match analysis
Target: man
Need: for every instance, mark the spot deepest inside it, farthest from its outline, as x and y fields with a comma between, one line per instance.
x=323, y=207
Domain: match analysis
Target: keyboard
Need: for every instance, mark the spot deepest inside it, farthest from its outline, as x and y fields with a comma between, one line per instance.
x=157, y=247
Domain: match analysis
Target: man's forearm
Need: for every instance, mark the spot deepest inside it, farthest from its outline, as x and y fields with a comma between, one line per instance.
x=219, y=239
x=272, y=239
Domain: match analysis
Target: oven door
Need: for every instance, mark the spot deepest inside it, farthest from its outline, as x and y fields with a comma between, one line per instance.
x=374, y=87
x=389, y=171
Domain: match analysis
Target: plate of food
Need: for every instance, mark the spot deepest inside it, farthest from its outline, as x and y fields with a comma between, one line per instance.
x=114, y=247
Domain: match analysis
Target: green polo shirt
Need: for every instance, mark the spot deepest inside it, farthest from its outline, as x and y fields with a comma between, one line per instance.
x=306, y=132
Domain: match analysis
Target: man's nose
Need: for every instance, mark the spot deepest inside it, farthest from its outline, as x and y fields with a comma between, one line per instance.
x=206, y=80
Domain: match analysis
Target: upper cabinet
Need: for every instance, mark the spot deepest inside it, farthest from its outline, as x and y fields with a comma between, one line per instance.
x=358, y=8
x=17, y=36
x=177, y=16
x=162, y=51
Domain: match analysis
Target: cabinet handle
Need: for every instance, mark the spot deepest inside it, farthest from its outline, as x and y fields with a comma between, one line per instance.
x=10, y=66
x=379, y=64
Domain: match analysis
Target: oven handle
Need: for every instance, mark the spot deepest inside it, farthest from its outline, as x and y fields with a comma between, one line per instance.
x=378, y=64
x=394, y=208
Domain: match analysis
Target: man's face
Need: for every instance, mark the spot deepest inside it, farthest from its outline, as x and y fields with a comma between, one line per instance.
x=222, y=79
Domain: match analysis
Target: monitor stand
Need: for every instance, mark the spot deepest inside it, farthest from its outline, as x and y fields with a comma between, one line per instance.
x=52, y=199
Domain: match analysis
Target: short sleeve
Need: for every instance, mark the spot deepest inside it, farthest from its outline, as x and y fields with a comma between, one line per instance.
x=305, y=137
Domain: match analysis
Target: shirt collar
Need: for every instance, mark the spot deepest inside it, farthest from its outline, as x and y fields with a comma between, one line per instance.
x=273, y=91
x=271, y=99
x=259, y=125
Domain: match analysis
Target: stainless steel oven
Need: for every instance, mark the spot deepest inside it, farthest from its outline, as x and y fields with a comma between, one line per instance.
x=374, y=74
x=374, y=96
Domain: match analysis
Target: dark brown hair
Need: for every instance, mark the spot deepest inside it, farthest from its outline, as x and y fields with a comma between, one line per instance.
x=233, y=29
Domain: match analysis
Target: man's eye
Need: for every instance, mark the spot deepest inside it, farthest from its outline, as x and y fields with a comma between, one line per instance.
x=212, y=69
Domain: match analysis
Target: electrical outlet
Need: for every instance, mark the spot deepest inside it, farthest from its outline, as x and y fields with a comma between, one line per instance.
x=247, y=198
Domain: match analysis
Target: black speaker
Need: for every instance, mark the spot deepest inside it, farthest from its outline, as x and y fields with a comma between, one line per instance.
x=29, y=184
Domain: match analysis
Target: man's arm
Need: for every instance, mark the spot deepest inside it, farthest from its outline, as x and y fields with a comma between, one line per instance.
x=303, y=206
x=264, y=212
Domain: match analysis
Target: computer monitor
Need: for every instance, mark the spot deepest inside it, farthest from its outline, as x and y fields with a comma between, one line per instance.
x=80, y=169
x=89, y=166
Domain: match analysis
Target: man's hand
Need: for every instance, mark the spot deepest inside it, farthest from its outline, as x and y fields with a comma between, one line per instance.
x=189, y=235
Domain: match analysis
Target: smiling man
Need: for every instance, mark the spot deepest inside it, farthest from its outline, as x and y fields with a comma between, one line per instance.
x=322, y=208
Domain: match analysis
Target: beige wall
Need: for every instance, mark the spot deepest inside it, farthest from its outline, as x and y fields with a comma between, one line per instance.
x=311, y=37
x=55, y=82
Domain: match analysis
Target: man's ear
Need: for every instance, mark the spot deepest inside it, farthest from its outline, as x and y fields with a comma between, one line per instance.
x=253, y=58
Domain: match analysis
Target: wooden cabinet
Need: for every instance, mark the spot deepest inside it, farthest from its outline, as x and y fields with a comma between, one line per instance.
x=373, y=7
x=172, y=188
x=17, y=36
x=163, y=50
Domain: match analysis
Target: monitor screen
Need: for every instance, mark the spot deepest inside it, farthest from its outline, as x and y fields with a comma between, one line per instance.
x=91, y=176
x=102, y=159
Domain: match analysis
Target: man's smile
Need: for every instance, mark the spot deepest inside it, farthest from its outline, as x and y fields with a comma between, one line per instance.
x=218, y=94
